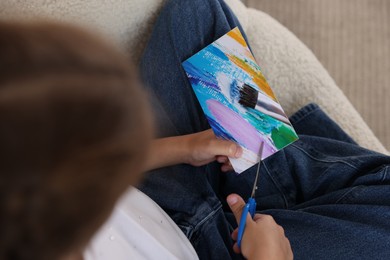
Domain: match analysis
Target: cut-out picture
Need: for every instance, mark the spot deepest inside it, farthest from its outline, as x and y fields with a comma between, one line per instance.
x=237, y=100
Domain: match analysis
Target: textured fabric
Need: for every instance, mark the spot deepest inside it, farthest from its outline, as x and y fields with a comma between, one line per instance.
x=291, y=69
x=352, y=39
x=330, y=195
x=127, y=22
x=139, y=229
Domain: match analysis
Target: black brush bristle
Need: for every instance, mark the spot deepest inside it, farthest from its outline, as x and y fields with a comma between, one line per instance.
x=248, y=96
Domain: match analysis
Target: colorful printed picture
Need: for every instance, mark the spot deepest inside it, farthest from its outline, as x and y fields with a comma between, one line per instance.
x=237, y=100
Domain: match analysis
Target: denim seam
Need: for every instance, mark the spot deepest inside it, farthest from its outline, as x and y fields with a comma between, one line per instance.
x=297, y=117
x=346, y=193
x=326, y=161
x=196, y=227
x=385, y=172
x=276, y=185
x=313, y=188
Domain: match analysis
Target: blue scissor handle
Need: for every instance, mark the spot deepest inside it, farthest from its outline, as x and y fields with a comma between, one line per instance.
x=250, y=207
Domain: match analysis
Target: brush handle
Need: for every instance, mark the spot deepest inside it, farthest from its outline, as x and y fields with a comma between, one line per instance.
x=280, y=117
x=250, y=97
x=271, y=108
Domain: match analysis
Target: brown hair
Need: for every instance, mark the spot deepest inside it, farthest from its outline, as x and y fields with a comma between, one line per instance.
x=73, y=134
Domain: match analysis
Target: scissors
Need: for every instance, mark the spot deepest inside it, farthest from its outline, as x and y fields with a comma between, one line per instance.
x=250, y=206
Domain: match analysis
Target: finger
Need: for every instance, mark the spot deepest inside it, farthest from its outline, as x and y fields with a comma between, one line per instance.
x=226, y=148
x=236, y=204
x=265, y=218
x=222, y=159
x=235, y=234
x=257, y=216
x=236, y=248
x=256, y=219
x=209, y=132
x=226, y=167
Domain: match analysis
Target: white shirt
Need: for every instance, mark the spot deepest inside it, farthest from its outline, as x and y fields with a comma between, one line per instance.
x=139, y=229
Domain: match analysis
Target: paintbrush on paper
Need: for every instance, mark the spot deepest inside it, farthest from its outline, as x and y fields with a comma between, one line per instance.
x=236, y=99
x=250, y=97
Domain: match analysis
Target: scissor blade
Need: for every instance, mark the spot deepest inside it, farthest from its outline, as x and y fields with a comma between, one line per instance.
x=258, y=170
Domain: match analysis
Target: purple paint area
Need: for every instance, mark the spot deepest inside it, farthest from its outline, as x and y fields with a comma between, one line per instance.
x=242, y=131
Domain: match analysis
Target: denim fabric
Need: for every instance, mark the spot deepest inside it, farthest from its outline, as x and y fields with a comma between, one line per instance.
x=331, y=196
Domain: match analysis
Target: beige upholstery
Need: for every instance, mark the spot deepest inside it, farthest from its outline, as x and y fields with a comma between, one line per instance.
x=351, y=38
x=290, y=67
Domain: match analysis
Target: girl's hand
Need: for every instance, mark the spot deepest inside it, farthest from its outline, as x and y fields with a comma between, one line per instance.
x=196, y=149
x=204, y=147
x=263, y=238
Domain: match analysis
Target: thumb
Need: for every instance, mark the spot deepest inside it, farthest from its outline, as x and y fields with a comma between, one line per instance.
x=226, y=148
x=236, y=204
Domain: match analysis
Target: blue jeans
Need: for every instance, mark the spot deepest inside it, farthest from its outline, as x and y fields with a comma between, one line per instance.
x=330, y=195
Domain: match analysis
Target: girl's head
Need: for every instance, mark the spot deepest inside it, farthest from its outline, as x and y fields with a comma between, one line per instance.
x=74, y=128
